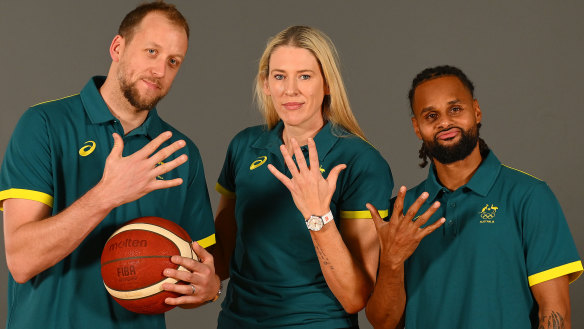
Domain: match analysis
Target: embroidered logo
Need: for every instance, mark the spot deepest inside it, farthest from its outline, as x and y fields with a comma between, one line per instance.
x=258, y=162
x=488, y=214
x=321, y=169
x=159, y=164
x=87, y=149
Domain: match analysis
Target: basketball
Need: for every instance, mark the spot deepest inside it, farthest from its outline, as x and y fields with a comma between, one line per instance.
x=134, y=257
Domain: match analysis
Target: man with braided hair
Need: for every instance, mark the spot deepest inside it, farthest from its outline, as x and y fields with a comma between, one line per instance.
x=481, y=245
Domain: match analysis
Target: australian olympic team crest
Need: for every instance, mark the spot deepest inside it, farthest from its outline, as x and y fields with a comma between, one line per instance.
x=488, y=214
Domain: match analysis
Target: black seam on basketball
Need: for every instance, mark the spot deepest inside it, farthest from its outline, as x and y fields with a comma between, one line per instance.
x=161, y=291
x=155, y=283
x=153, y=232
x=137, y=257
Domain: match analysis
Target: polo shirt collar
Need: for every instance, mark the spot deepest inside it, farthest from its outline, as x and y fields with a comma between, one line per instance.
x=98, y=111
x=481, y=182
x=151, y=127
x=484, y=178
x=270, y=139
x=433, y=187
x=94, y=105
x=324, y=139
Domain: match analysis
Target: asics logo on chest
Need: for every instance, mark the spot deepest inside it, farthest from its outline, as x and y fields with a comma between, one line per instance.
x=258, y=162
x=87, y=149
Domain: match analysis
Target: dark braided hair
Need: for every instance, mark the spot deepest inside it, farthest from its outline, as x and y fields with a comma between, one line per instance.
x=437, y=72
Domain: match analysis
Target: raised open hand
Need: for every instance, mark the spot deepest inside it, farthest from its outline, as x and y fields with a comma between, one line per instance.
x=400, y=237
x=311, y=192
x=126, y=179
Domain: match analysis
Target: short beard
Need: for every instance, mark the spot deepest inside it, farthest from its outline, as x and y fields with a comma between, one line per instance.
x=133, y=96
x=459, y=151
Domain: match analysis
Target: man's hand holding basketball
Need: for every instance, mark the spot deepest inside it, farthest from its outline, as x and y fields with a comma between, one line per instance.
x=126, y=179
x=202, y=282
x=400, y=237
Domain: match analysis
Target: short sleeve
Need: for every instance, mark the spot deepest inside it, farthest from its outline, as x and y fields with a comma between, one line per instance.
x=366, y=180
x=198, y=215
x=549, y=247
x=226, y=182
x=26, y=171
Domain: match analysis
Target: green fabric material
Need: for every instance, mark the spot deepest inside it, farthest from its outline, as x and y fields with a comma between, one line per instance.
x=44, y=156
x=275, y=276
x=501, y=227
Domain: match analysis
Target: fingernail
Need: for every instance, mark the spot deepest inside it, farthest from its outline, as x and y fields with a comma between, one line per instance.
x=424, y=195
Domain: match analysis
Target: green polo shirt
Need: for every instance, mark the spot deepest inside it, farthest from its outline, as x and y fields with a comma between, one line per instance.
x=275, y=276
x=504, y=232
x=56, y=154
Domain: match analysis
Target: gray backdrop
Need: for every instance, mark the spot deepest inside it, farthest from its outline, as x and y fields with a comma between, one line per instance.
x=525, y=58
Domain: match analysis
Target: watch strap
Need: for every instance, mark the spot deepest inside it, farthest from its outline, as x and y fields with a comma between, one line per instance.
x=218, y=293
x=326, y=218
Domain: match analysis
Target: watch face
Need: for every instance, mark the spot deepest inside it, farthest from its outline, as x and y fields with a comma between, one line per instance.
x=314, y=223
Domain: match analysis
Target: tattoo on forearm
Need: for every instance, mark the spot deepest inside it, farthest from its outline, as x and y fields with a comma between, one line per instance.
x=551, y=321
x=323, y=258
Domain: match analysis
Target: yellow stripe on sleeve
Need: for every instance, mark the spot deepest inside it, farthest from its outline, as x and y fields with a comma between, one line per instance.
x=16, y=193
x=54, y=100
x=573, y=269
x=208, y=241
x=345, y=214
x=224, y=191
x=523, y=172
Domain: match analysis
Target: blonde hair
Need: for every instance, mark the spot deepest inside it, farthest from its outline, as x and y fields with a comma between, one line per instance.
x=335, y=107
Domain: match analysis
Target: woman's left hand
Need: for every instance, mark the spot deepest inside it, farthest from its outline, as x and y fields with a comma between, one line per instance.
x=311, y=192
x=202, y=282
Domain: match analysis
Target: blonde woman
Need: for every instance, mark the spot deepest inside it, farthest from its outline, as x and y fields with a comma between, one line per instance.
x=301, y=251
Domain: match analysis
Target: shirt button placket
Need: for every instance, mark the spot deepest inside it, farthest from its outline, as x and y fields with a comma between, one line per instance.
x=451, y=218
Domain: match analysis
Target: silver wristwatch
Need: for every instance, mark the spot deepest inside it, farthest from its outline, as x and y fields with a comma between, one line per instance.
x=315, y=223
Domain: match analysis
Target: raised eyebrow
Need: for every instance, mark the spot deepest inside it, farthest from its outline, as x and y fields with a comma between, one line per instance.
x=431, y=108
x=298, y=72
x=427, y=109
x=153, y=45
x=180, y=58
x=306, y=71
